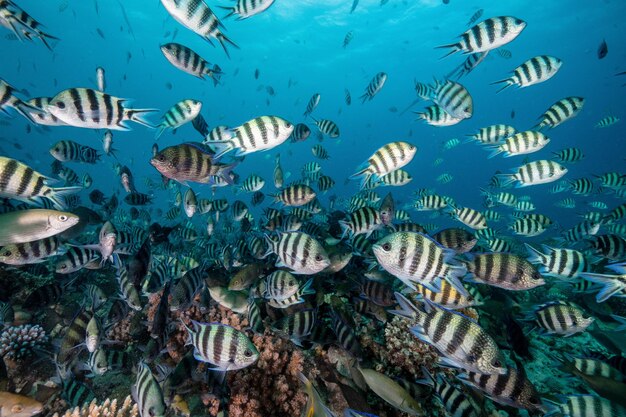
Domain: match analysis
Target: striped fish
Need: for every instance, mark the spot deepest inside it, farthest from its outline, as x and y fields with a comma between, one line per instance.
x=75, y=259
x=362, y=221
x=30, y=252
x=493, y=134
x=470, y=63
x=560, y=112
x=296, y=326
x=252, y=183
x=396, y=178
x=453, y=399
x=187, y=60
x=327, y=127
x=181, y=113
x=581, y=186
x=68, y=150
x=312, y=104
x=259, y=134
x=453, y=98
x=21, y=182
x=295, y=195
x=612, y=247
x=247, y=8
x=386, y=159
x=127, y=288
x=92, y=109
x=222, y=346
x=450, y=298
x=191, y=162
x=436, y=116
x=348, y=97
x=346, y=41
x=346, y=336
x=534, y=71
x=460, y=340
x=319, y=152
x=503, y=270
x=527, y=227
x=607, y=121
x=613, y=180
x=280, y=285
x=377, y=292
x=23, y=25
x=7, y=99
x=300, y=252
x=374, y=86
x=257, y=198
x=147, y=394
x=470, y=217
x=459, y=240
x=487, y=35
x=585, y=405
x=300, y=133
x=430, y=202
x=423, y=91
x=196, y=16
x=74, y=336
x=254, y=317
x=561, y=318
x=581, y=230
x=512, y=388
x=417, y=259
x=296, y=298
x=616, y=214
x=38, y=111
x=7, y=314
x=521, y=143
x=534, y=173
x=76, y=393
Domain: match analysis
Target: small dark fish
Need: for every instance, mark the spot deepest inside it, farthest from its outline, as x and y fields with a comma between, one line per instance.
x=168, y=85
x=603, y=49
x=354, y=4
x=393, y=109
x=100, y=33
x=512, y=114
x=256, y=74
x=270, y=90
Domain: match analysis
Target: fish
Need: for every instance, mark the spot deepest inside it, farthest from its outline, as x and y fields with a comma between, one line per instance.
x=148, y=394
x=347, y=39
x=33, y=224
x=298, y=251
x=386, y=159
x=30, y=252
x=489, y=34
x=314, y=407
x=578, y=405
x=561, y=111
x=190, y=162
x=535, y=173
x=247, y=8
x=312, y=104
x=15, y=405
x=435, y=115
x=603, y=49
x=179, y=114
x=374, y=86
x=222, y=346
x=534, y=71
x=327, y=127
x=392, y=392
x=259, y=134
x=189, y=61
x=503, y=270
x=93, y=109
x=67, y=150
x=401, y=254
x=196, y=16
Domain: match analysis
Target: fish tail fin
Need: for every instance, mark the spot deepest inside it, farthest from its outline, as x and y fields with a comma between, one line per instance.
x=535, y=255
x=136, y=115
x=456, y=47
x=226, y=171
x=495, y=150
x=230, y=9
x=610, y=285
x=223, y=40
x=365, y=97
x=507, y=179
x=57, y=194
x=407, y=308
x=507, y=83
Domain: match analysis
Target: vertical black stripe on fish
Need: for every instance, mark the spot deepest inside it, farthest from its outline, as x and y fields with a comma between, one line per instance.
x=92, y=101
x=77, y=101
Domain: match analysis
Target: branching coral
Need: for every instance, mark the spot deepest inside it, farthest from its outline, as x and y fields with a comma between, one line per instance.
x=109, y=408
x=19, y=342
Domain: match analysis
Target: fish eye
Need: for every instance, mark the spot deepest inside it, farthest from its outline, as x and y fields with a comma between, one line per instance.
x=318, y=257
x=533, y=400
x=387, y=247
x=247, y=353
x=63, y=217
x=60, y=105
x=162, y=158
x=17, y=408
x=288, y=124
x=63, y=266
x=497, y=363
x=7, y=253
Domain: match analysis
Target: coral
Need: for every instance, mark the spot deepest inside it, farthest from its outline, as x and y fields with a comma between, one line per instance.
x=270, y=387
x=402, y=352
x=109, y=408
x=19, y=342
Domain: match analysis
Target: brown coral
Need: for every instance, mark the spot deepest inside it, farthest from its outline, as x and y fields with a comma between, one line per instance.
x=109, y=408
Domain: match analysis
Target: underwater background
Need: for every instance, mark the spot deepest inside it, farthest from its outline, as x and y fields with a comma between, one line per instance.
x=283, y=56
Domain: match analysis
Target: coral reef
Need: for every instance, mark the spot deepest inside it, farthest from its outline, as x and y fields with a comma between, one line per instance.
x=19, y=342
x=108, y=408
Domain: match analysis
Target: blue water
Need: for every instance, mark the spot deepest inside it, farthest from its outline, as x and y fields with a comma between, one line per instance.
x=302, y=41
